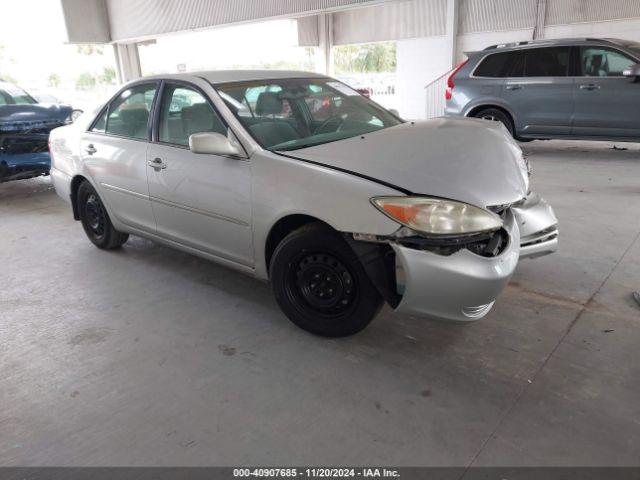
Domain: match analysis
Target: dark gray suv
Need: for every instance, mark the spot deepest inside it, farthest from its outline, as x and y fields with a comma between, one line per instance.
x=571, y=88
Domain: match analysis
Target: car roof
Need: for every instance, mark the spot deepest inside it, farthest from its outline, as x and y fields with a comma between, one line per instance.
x=558, y=41
x=229, y=76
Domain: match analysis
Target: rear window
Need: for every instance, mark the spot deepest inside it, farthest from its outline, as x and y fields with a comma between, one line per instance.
x=504, y=64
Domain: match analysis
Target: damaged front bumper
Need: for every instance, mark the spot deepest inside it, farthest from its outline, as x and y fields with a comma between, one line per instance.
x=462, y=286
x=459, y=282
x=24, y=154
x=538, y=227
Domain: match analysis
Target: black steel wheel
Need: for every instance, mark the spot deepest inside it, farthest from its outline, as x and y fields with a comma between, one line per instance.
x=320, y=284
x=95, y=214
x=95, y=219
x=320, y=281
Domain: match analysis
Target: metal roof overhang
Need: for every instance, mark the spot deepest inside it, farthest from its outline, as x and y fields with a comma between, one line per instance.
x=125, y=21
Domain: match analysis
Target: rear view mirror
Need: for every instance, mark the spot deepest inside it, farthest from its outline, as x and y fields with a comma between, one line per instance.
x=213, y=143
x=632, y=72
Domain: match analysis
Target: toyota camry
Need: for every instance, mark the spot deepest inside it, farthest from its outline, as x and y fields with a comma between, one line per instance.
x=297, y=179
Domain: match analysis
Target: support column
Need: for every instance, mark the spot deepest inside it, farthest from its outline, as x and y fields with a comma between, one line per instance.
x=324, y=62
x=127, y=61
x=452, y=30
x=541, y=12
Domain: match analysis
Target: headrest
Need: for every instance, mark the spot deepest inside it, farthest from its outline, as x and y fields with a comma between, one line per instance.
x=135, y=113
x=269, y=103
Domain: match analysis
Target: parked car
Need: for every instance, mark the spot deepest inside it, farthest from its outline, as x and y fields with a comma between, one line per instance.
x=340, y=213
x=571, y=88
x=48, y=98
x=24, y=133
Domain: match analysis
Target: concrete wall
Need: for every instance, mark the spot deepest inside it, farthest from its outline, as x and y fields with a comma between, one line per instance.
x=626, y=29
x=419, y=61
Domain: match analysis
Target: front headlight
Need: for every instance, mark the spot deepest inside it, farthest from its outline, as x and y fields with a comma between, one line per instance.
x=437, y=216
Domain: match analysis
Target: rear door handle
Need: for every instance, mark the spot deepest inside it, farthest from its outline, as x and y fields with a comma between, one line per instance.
x=157, y=164
x=90, y=149
x=515, y=86
x=589, y=86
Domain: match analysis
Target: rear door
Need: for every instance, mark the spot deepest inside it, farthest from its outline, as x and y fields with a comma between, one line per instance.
x=607, y=104
x=540, y=92
x=202, y=201
x=115, y=152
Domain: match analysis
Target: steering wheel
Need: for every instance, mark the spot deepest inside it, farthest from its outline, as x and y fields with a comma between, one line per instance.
x=337, y=119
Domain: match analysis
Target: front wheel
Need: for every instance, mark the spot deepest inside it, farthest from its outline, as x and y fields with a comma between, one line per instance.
x=320, y=284
x=95, y=219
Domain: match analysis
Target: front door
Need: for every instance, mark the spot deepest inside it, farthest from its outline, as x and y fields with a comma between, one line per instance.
x=607, y=104
x=114, y=150
x=201, y=201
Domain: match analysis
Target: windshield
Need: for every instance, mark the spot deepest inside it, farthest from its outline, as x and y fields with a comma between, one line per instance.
x=294, y=113
x=635, y=48
x=11, y=95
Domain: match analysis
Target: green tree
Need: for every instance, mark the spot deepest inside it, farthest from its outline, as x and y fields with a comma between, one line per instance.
x=54, y=80
x=107, y=76
x=85, y=81
x=367, y=58
x=89, y=49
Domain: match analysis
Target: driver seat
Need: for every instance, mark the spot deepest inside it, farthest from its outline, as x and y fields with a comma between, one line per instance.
x=268, y=130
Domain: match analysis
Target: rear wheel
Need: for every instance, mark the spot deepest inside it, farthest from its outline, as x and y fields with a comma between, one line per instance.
x=95, y=219
x=496, y=115
x=320, y=284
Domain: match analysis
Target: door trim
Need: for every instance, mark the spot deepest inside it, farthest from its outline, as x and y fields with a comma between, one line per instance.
x=124, y=190
x=207, y=213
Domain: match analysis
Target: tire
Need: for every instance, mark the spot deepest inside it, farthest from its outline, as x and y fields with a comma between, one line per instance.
x=320, y=284
x=95, y=219
x=496, y=115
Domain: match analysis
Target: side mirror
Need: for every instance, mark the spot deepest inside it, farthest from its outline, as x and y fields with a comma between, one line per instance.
x=213, y=143
x=632, y=72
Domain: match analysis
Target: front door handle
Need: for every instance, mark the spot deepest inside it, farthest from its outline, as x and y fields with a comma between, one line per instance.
x=90, y=149
x=515, y=86
x=589, y=86
x=157, y=164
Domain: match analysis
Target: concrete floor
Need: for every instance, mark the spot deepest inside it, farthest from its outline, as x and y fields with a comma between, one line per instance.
x=148, y=356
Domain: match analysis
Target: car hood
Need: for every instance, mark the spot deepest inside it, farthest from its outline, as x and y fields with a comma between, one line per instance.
x=469, y=160
x=20, y=117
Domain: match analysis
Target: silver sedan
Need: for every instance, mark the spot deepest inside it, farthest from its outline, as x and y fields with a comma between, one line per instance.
x=297, y=179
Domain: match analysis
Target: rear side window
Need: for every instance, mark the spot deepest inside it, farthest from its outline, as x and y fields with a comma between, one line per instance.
x=500, y=65
x=129, y=112
x=547, y=62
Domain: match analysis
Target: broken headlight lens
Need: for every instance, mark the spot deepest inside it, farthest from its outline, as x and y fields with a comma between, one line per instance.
x=437, y=216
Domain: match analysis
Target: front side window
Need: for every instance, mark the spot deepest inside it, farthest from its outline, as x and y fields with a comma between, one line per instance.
x=183, y=112
x=296, y=113
x=547, y=62
x=129, y=112
x=100, y=123
x=603, y=62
